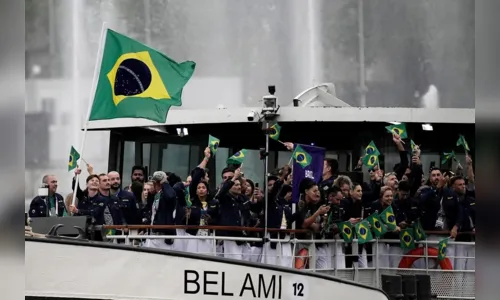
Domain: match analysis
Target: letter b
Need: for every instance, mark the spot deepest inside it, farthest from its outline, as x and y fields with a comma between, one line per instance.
x=192, y=282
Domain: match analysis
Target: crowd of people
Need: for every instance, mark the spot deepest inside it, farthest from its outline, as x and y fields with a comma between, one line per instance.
x=439, y=201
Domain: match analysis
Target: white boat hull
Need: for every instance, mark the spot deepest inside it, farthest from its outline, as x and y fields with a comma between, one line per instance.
x=85, y=270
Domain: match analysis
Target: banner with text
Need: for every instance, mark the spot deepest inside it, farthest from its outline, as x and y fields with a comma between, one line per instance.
x=313, y=170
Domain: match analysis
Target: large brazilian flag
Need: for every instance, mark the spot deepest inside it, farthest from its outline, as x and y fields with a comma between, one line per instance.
x=136, y=81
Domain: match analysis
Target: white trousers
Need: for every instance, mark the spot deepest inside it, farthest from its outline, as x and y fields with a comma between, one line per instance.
x=326, y=254
x=158, y=244
x=180, y=244
x=200, y=246
x=465, y=257
x=252, y=253
x=232, y=250
x=281, y=256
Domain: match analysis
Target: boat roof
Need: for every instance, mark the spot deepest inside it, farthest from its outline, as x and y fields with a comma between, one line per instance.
x=299, y=114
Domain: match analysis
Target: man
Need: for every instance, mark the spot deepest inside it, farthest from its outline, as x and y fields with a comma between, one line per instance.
x=138, y=174
x=51, y=205
x=162, y=212
x=85, y=205
x=391, y=181
x=128, y=203
x=330, y=172
x=330, y=231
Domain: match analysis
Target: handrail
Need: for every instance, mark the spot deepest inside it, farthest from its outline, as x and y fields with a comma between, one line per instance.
x=238, y=228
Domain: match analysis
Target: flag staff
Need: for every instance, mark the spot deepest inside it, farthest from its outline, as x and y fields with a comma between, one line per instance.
x=91, y=101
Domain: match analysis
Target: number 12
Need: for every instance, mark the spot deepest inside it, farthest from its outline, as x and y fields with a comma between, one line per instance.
x=298, y=289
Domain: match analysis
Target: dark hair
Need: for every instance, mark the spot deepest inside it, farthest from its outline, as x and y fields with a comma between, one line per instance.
x=355, y=184
x=91, y=176
x=136, y=189
x=404, y=186
x=225, y=170
x=172, y=178
x=434, y=169
x=102, y=174
x=251, y=184
x=272, y=177
x=333, y=164
x=334, y=189
x=284, y=190
x=455, y=178
x=306, y=184
x=135, y=168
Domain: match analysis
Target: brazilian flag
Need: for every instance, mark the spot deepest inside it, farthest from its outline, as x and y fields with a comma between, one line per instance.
x=136, y=81
x=371, y=149
x=443, y=244
x=419, y=231
x=406, y=239
x=447, y=156
x=213, y=143
x=301, y=157
x=399, y=129
x=345, y=229
x=275, y=131
x=187, y=197
x=74, y=156
x=388, y=218
x=110, y=232
x=462, y=142
x=378, y=228
x=363, y=232
x=370, y=160
x=237, y=158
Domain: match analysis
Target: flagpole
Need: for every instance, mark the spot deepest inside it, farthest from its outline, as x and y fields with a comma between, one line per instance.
x=95, y=79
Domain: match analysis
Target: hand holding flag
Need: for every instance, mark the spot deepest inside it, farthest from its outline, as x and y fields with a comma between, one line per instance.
x=213, y=143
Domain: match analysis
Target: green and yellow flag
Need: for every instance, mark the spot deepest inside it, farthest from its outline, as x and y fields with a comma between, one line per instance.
x=406, y=239
x=74, y=156
x=370, y=160
x=363, y=232
x=275, y=131
x=213, y=143
x=443, y=244
x=345, y=229
x=388, y=218
x=447, y=156
x=418, y=230
x=301, y=156
x=136, y=81
x=462, y=142
x=238, y=157
x=187, y=197
x=413, y=145
x=399, y=129
x=376, y=224
x=371, y=149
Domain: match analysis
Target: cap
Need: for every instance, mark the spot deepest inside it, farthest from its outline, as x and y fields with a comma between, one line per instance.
x=159, y=176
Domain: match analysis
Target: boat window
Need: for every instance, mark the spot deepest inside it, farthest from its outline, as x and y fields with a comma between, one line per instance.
x=175, y=158
x=128, y=161
x=220, y=163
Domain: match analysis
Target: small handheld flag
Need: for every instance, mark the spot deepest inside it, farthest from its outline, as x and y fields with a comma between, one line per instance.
x=413, y=145
x=238, y=157
x=399, y=129
x=388, y=218
x=371, y=149
x=213, y=143
x=406, y=239
x=301, y=156
x=74, y=156
x=187, y=197
x=376, y=225
x=419, y=233
x=363, y=232
x=345, y=229
x=462, y=142
x=370, y=160
x=448, y=156
x=274, y=132
x=443, y=244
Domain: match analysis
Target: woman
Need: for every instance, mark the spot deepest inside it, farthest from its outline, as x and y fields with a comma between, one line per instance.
x=354, y=213
x=389, y=255
x=310, y=216
x=198, y=216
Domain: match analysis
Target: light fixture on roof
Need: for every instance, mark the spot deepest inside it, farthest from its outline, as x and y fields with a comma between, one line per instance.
x=427, y=127
x=182, y=132
x=270, y=105
x=395, y=123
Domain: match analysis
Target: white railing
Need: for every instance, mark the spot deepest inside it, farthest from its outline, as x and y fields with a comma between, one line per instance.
x=447, y=283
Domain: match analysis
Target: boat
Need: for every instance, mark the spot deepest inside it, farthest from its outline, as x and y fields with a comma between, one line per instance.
x=68, y=268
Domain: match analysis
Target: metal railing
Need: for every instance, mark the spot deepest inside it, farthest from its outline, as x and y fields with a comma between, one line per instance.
x=447, y=282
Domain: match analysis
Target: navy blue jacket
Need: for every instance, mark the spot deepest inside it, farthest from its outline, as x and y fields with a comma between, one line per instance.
x=166, y=206
x=40, y=207
x=229, y=210
x=129, y=207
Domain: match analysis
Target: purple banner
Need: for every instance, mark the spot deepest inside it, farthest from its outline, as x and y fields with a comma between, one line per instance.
x=313, y=171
